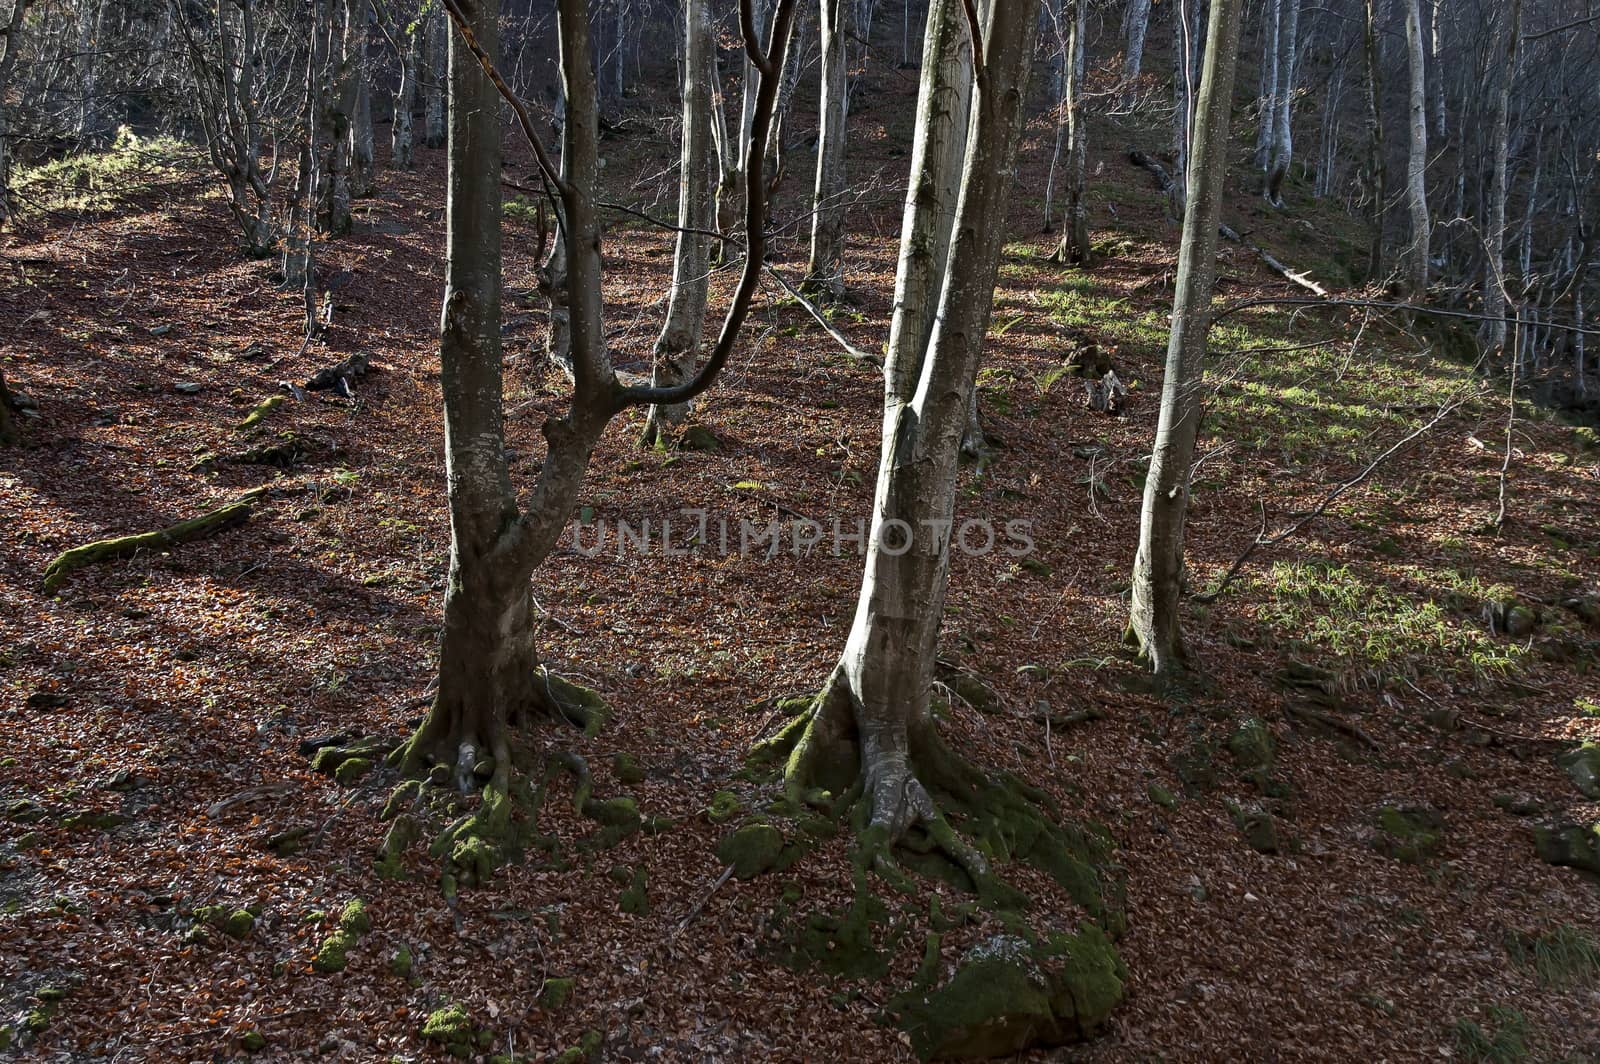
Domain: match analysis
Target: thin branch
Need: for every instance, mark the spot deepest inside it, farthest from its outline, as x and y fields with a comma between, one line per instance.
x=1378, y=304
x=811, y=308
x=1264, y=540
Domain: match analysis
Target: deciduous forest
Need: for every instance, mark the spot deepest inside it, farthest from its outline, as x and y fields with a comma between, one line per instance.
x=799, y=530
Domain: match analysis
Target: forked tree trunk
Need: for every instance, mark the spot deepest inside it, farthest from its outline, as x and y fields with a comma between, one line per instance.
x=487, y=670
x=874, y=709
x=825, y=268
x=678, y=346
x=1417, y=252
x=1158, y=566
x=1494, y=278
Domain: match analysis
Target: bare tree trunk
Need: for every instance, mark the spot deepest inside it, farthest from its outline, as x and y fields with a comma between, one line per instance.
x=1187, y=47
x=825, y=268
x=1074, y=247
x=678, y=346
x=1267, y=85
x=12, y=30
x=1377, y=160
x=873, y=714
x=299, y=268
x=1282, y=141
x=1158, y=571
x=1137, y=22
x=402, y=136
x=8, y=427
x=1418, y=252
x=1494, y=278
x=361, y=143
x=432, y=81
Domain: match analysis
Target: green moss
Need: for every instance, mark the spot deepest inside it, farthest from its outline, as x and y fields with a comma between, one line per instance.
x=1161, y=796
x=355, y=918
x=252, y=1042
x=585, y=1050
x=627, y=769
x=402, y=833
x=91, y=821
x=751, y=849
x=634, y=900
x=1252, y=745
x=556, y=992
x=1009, y=995
x=404, y=796
x=452, y=1027
x=725, y=805
x=402, y=962
x=239, y=923
x=333, y=954
x=351, y=770
x=1408, y=833
x=256, y=416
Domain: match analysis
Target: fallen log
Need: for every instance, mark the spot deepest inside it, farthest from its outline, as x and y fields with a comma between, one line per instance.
x=107, y=550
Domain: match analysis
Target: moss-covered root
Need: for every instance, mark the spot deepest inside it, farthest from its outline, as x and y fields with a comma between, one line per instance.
x=826, y=757
x=577, y=705
x=107, y=550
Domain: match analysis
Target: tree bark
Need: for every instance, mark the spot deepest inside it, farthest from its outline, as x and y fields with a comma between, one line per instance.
x=1074, y=247
x=1281, y=145
x=825, y=268
x=12, y=31
x=1137, y=23
x=1377, y=161
x=874, y=709
x=433, y=95
x=402, y=137
x=1187, y=47
x=8, y=426
x=1494, y=276
x=1154, y=622
x=678, y=346
x=1417, y=252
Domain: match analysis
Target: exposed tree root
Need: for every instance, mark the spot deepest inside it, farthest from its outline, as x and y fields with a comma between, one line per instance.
x=919, y=803
x=106, y=550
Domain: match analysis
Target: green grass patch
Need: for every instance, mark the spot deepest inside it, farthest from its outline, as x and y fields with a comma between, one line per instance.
x=1339, y=611
x=102, y=180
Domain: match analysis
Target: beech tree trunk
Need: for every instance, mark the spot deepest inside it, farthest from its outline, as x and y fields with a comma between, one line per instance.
x=432, y=82
x=1187, y=47
x=825, y=268
x=1158, y=572
x=1281, y=143
x=402, y=136
x=1494, y=237
x=1377, y=161
x=1074, y=247
x=678, y=346
x=874, y=709
x=1417, y=252
x=12, y=34
x=361, y=139
x=1137, y=22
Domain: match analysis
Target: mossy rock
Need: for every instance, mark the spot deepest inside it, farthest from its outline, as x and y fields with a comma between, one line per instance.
x=1196, y=766
x=91, y=821
x=699, y=438
x=725, y=805
x=405, y=795
x=329, y=759
x=256, y=416
x=752, y=849
x=1252, y=745
x=1408, y=833
x=627, y=769
x=1161, y=796
x=1260, y=830
x=350, y=771
x=402, y=962
x=252, y=1041
x=333, y=954
x=1569, y=845
x=1008, y=996
x=455, y=1030
x=239, y=923
x=556, y=992
x=354, y=918
x=586, y=1049
x=1582, y=766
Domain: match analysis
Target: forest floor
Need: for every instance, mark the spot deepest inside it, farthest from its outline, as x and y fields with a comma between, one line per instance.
x=154, y=710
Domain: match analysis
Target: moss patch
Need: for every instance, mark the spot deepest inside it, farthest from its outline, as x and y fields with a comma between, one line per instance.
x=751, y=849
